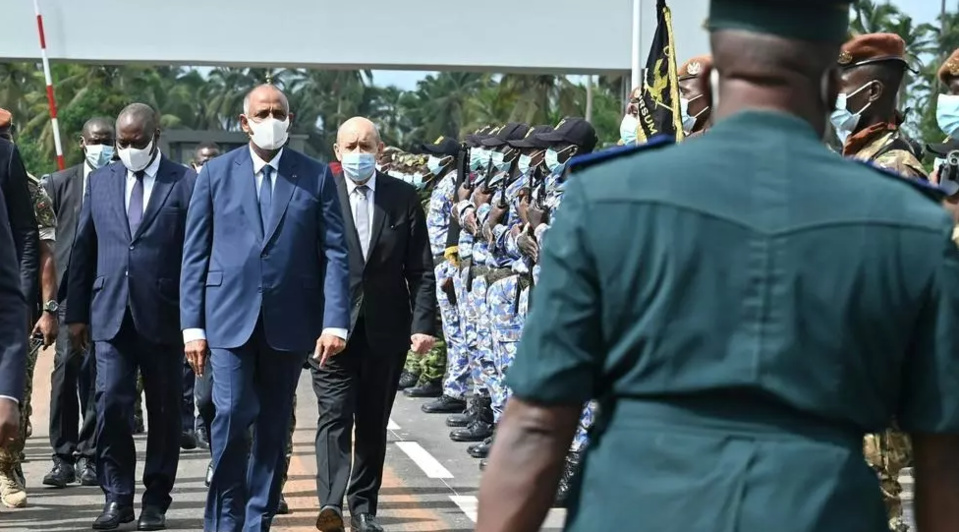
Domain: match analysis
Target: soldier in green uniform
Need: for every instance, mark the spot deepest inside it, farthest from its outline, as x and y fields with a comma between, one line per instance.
x=12, y=483
x=743, y=329
x=866, y=119
x=695, y=94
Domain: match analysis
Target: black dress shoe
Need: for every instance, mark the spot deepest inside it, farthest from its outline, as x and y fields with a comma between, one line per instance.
x=282, y=508
x=408, y=380
x=188, y=440
x=209, y=474
x=63, y=473
x=330, y=519
x=113, y=516
x=429, y=389
x=151, y=518
x=480, y=450
x=444, y=405
x=202, y=438
x=87, y=472
x=365, y=523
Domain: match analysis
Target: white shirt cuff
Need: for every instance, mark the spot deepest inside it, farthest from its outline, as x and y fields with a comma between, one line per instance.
x=14, y=399
x=190, y=335
x=339, y=333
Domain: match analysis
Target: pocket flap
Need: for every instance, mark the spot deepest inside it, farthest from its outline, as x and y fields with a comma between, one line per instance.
x=98, y=282
x=214, y=278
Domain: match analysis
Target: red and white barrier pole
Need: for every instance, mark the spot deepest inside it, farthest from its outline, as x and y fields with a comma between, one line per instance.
x=51, y=101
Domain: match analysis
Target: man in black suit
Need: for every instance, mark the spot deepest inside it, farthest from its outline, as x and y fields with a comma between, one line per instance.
x=124, y=294
x=23, y=223
x=393, y=310
x=74, y=371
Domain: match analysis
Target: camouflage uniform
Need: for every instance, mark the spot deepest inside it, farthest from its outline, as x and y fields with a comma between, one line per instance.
x=12, y=491
x=891, y=451
x=437, y=226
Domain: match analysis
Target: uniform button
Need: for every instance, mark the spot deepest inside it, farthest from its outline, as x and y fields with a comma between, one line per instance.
x=132, y=246
x=126, y=273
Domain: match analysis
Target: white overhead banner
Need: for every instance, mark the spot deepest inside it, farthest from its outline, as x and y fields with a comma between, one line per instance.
x=550, y=36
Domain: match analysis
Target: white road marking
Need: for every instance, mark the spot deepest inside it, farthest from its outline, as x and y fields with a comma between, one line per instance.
x=469, y=504
x=392, y=425
x=424, y=460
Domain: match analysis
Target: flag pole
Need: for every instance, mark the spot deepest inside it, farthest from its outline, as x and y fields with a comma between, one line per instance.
x=637, y=23
x=48, y=78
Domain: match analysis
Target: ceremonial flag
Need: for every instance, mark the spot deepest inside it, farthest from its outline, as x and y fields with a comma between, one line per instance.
x=659, y=112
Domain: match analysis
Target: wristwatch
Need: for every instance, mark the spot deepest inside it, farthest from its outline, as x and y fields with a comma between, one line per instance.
x=51, y=307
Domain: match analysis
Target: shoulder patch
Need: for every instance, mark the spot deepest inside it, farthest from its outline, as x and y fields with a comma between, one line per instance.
x=582, y=162
x=926, y=188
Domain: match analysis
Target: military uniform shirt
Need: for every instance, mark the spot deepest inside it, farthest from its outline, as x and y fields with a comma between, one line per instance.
x=742, y=328
x=42, y=210
x=438, y=213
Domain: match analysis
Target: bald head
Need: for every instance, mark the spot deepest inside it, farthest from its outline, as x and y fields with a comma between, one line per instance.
x=265, y=94
x=137, y=125
x=357, y=134
x=96, y=128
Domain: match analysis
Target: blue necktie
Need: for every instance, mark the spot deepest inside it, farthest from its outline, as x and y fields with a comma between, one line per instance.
x=135, y=210
x=266, y=196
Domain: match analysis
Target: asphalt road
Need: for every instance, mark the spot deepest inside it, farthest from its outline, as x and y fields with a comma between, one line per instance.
x=430, y=483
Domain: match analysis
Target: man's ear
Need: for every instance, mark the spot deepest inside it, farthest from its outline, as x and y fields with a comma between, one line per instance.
x=336, y=152
x=379, y=149
x=876, y=90
x=245, y=124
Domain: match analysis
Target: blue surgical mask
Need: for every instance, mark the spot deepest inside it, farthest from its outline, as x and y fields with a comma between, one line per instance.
x=417, y=180
x=499, y=161
x=485, y=156
x=947, y=114
x=358, y=166
x=627, y=129
x=844, y=121
x=435, y=165
x=552, y=161
x=476, y=159
x=524, y=164
x=98, y=155
x=689, y=121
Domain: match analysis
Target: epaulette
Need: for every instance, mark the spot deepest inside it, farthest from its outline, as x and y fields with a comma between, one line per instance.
x=581, y=162
x=926, y=188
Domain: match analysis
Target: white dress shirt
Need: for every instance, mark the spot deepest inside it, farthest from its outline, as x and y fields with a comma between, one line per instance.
x=190, y=335
x=149, y=178
x=357, y=202
x=86, y=179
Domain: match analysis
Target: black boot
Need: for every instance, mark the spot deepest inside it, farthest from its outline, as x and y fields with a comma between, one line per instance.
x=481, y=450
x=429, y=389
x=460, y=420
x=481, y=427
x=570, y=470
x=444, y=405
x=408, y=380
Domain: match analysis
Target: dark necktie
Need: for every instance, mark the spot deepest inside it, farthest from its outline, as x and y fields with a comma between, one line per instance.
x=135, y=211
x=266, y=196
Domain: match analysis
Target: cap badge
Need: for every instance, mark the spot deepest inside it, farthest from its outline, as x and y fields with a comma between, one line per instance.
x=694, y=69
x=845, y=58
x=953, y=67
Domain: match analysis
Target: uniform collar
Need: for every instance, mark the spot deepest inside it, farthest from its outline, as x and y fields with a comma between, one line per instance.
x=763, y=119
x=858, y=142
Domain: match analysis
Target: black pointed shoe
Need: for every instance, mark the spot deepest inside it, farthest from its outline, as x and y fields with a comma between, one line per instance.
x=480, y=450
x=113, y=516
x=188, y=440
x=209, y=474
x=408, y=380
x=151, y=518
x=87, y=472
x=444, y=405
x=282, y=508
x=428, y=389
x=63, y=473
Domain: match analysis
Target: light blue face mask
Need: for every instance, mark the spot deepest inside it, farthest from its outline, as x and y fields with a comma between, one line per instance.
x=499, y=161
x=844, y=121
x=478, y=159
x=98, y=155
x=417, y=180
x=627, y=129
x=435, y=165
x=358, y=166
x=524, y=164
x=552, y=162
x=947, y=114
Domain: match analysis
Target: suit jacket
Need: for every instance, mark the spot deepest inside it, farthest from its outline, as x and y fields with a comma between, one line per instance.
x=23, y=223
x=292, y=272
x=13, y=312
x=394, y=289
x=112, y=270
x=65, y=189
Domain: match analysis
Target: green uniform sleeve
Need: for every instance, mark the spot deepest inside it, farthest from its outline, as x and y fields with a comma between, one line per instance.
x=929, y=401
x=559, y=356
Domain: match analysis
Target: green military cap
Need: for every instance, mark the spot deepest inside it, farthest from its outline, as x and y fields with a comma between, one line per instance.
x=806, y=20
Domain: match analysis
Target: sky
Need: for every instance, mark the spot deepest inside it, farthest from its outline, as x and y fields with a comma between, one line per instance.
x=919, y=10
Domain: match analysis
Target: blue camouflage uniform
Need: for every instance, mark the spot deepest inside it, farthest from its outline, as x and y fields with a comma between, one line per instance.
x=507, y=296
x=437, y=225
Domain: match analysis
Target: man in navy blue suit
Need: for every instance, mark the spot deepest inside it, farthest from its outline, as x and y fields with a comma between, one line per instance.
x=13, y=331
x=124, y=295
x=265, y=281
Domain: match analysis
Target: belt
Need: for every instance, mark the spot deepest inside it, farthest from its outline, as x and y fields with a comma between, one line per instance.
x=498, y=274
x=439, y=259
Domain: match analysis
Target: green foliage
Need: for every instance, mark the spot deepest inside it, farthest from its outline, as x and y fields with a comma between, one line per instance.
x=447, y=103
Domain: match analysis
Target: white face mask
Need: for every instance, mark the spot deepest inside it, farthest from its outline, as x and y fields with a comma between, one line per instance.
x=689, y=122
x=627, y=129
x=269, y=133
x=844, y=121
x=136, y=160
x=947, y=114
